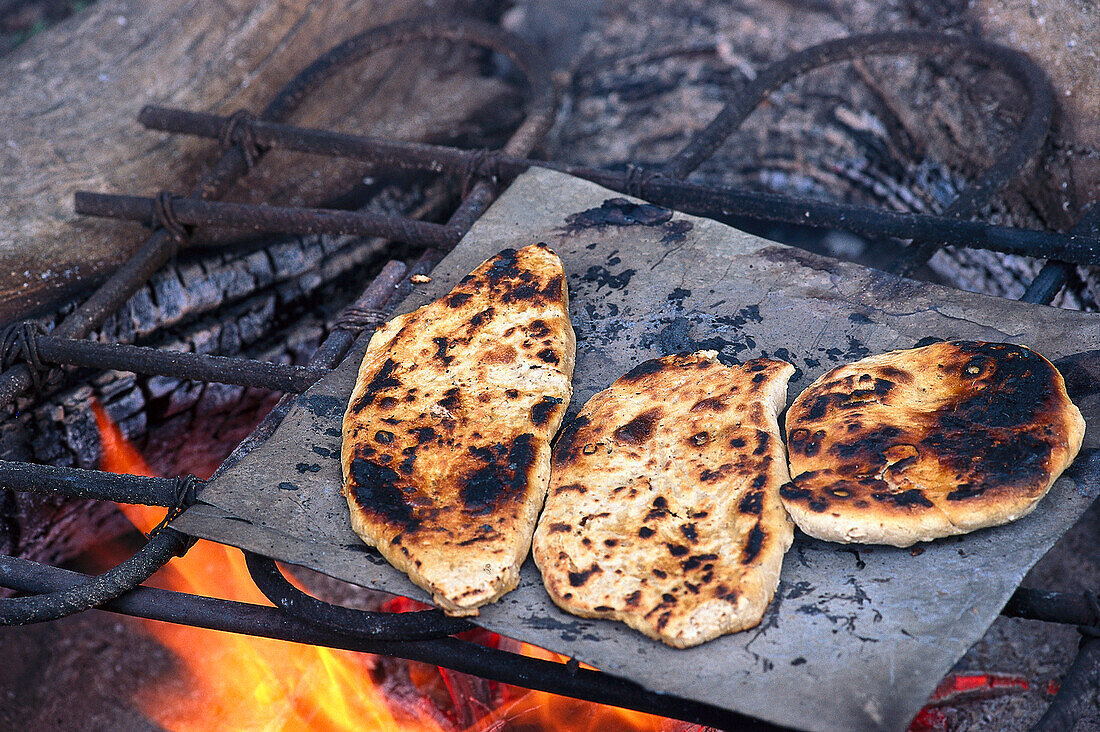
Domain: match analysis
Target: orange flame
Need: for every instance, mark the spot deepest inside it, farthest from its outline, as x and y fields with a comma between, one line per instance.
x=229, y=681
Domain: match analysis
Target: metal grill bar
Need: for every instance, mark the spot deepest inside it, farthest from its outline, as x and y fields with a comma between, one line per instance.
x=719, y=202
x=273, y=219
x=1052, y=607
x=194, y=366
x=1054, y=274
x=1078, y=690
x=95, y=484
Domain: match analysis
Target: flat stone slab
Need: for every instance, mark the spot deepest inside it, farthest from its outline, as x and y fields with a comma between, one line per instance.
x=857, y=636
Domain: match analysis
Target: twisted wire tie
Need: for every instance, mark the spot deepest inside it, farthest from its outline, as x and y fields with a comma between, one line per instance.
x=164, y=217
x=237, y=130
x=19, y=343
x=637, y=178
x=480, y=164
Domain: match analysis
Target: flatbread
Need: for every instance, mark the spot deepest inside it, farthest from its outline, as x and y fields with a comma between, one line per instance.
x=664, y=507
x=929, y=442
x=446, y=452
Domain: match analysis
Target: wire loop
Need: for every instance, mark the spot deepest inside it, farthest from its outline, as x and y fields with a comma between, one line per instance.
x=238, y=130
x=19, y=343
x=164, y=217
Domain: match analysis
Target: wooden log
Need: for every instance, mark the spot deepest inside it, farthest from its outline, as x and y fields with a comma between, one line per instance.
x=72, y=94
x=888, y=131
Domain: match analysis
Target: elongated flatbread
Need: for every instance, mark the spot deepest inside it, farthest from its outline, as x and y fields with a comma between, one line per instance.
x=664, y=508
x=446, y=452
x=929, y=442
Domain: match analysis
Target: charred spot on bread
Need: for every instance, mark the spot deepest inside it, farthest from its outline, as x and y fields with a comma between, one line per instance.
x=548, y=355
x=503, y=475
x=375, y=488
x=577, y=579
x=543, y=410
x=754, y=544
x=639, y=429
x=457, y=299
x=642, y=370
x=713, y=404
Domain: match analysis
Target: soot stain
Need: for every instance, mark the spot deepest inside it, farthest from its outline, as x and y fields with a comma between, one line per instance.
x=676, y=232
x=323, y=404
x=618, y=212
x=676, y=337
x=678, y=295
x=604, y=278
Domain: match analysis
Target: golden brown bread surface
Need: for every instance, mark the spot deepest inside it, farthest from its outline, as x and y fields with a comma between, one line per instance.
x=929, y=442
x=664, y=507
x=446, y=451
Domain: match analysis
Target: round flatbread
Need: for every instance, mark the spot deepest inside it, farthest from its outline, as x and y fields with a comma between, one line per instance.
x=664, y=508
x=929, y=442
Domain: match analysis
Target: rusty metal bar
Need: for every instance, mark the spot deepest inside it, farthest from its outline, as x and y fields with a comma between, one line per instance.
x=1051, y=607
x=181, y=365
x=1078, y=690
x=280, y=219
x=717, y=202
x=1054, y=274
x=94, y=484
x=704, y=200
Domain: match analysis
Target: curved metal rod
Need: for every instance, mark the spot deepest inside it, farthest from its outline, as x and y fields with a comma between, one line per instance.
x=1022, y=148
x=162, y=546
x=460, y=655
x=541, y=101
x=379, y=626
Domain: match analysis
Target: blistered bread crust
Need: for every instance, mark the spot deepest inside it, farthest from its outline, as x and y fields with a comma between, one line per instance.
x=928, y=442
x=446, y=451
x=664, y=507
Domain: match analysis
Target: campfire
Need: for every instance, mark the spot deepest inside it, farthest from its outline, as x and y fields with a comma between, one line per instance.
x=236, y=682
x=278, y=652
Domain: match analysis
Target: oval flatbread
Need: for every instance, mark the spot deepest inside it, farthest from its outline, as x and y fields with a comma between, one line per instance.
x=664, y=508
x=446, y=452
x=929, y=442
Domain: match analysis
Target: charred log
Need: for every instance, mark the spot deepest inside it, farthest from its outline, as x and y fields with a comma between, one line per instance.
x=887, y=131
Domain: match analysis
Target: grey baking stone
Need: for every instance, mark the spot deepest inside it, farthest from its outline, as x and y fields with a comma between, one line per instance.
x=858, y=636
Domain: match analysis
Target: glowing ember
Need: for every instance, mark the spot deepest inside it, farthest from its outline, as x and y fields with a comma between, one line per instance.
x=229, y=681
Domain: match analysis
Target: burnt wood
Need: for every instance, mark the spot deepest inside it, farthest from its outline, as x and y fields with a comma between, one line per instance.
x=74, y=91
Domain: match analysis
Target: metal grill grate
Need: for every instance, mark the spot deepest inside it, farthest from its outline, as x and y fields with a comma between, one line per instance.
x=425, y=636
